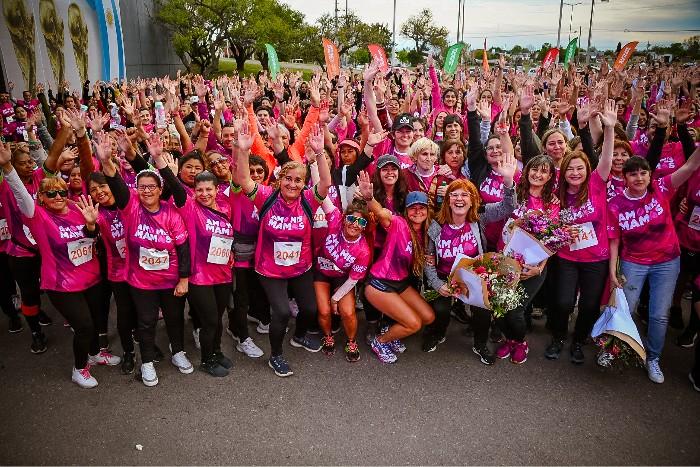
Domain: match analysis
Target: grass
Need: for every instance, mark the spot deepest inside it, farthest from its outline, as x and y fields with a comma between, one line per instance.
x=228, y=65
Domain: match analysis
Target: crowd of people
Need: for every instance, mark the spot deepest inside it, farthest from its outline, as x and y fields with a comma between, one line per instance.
x=263, y=198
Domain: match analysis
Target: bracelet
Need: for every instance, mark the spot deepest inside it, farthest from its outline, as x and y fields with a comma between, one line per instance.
x=370, y=145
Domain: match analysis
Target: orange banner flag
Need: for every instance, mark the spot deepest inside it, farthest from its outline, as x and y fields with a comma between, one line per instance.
x=485, y=62
x=379, y=56
x=624, y=55
x=330, y=52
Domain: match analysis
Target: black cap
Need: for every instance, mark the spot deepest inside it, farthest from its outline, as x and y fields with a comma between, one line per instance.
x=402, y=121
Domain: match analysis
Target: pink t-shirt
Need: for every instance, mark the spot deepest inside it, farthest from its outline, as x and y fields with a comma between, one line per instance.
x=491, y=191
x=68, y=258
x=338, y=256
x=387, y=147
x=672, y=158
x=395, y=260
x=380, y=233
x=615, y=186
x=645, y=225
x=22, y=243
x=320, y=227
x=284, y=247
x=211, y=242
x=151, y=257
x=113, y=236
x=452, y=242
x=592, y=219
x=8, y=112
x=688, y=226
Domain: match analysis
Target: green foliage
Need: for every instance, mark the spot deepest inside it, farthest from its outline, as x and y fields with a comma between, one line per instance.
x=352, y=33
x=410, y=57
x=427, y=36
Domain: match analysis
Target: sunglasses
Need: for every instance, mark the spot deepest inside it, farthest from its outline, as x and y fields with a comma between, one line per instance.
x=257, y=171
x=221, y=160
x=360, y=221
x=52, y=193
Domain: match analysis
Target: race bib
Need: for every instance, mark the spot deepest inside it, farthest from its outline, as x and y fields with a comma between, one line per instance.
x=80, y=251
x=4, y=230
x=219, y=250
x=121, y=247
x=320, y=219
x=151, y=259
x=287, y=253
x=28, y=234
x=327, y=265
x=586, y=237
x=694, y=221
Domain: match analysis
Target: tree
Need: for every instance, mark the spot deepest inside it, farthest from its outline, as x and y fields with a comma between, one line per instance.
x=351, y=33
x=410, y=57
x=425, y=35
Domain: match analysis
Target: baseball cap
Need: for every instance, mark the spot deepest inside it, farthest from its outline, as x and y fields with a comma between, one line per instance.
x=387, y=159
x=402, y=121
x=350, y=142
x=416, y=197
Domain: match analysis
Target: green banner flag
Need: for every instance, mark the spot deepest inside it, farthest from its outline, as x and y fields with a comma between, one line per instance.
x=452, y=57
x=570, y=50
x=273, y=62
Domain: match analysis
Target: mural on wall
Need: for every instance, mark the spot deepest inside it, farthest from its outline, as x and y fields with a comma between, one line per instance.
x=61, y=42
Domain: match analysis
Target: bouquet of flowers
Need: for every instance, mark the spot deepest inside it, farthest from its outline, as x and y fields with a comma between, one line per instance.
x=616, y=335
x=535, y=237
x=490, y=281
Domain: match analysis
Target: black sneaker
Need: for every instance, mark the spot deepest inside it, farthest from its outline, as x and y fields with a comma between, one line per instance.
x=352, y=352
x=675, y=319
x=159, y=356
x=44, y=319
x=576, y=351
x=460, y=314
x=484, y=354
x=307, y=342
x=280, y=366
x=328, y=345
x=431, y=341
x=128, y=363
x=15, y=324
x=685, y=340
x=38, y=342
x=223, y=360
x=553, y=350
x=213, y=367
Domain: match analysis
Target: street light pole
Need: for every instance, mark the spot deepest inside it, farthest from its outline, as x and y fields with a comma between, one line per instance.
x=571, y=17
x=561, y=8
x=459, y=17
x=393, y=44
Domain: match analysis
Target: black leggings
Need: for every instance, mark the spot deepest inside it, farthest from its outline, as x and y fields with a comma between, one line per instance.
x=126, y=314
x=210, y=301
x=513, y=323
x=7, y=287
x=147, y=303
x=572, y=277
x=27, y=272
x=247, y=286
x=81, y=310
x=276, y=291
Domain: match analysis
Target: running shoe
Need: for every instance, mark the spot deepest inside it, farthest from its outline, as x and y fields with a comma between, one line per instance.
x=485, y=355
x=249, y=348
x=431, y=341
x=576, y=352
x=396, y=345
x=104, y=358
x=383, y=351
x=223, y=360
x=148, y=374
x=505, y=349
x=352, y=351
x=519, y=353
x=128, y=363
x=262, y=328
x=213, y=367
x=15, y=324
x=83, y=378
x=280, y=366
x=44, y=319
x=182, y=363
x=553, y=350
x=328, y=345
x=307, y=342
x=654, y=371
x=38, y=342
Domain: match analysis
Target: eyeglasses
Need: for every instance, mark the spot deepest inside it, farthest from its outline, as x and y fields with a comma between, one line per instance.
x=492, y=148
x=454, y=195
x=360, y=221
x=147, y=188
x=257, y=171
x=52, y=193
x=221, y=160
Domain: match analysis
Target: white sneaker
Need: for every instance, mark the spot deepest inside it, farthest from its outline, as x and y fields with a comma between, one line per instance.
x=654, y=371
x=83, y=378
x=148, y=374
x=263, y=328
x=195, y=334
x=182, y=363
x=249, y=348
x=104, y=358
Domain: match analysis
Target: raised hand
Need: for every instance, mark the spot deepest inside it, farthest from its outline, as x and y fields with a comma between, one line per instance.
x=243, y=134
x=271, y=128
x=506, y=167
x=376, y=138
x=484, y=109
x=74, y=118
x=684, y=112
x=200, y=87
x=370, y=72
x=471, y=98
x=250, y=92
x=169, y=161
x=103, y=145
x=366, y=189
x=5, y=154
x=323, y=115
x=316, y=138
x=88, y=209
x=609, y=114
x=662, y=116
x=527, y=99
x=155, y=149
x=583, y=113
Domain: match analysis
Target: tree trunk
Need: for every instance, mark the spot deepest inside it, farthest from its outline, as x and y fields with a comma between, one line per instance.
x=240, y=62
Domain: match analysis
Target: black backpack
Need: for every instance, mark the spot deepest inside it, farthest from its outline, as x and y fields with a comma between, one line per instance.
x=269, y=202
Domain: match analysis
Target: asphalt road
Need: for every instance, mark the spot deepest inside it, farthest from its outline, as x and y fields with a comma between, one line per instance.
x=438, y=408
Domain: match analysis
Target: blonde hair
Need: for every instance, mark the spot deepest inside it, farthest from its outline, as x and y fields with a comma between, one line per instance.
x=291, y=165
x=52, y=183
x=420, y=145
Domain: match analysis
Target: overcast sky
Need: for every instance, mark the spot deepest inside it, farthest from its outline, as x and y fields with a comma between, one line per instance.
x=533, y=22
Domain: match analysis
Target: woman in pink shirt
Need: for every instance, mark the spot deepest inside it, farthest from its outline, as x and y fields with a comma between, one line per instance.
x=582, y=266
x=283, y=256
x=70, y=272
x=643, y=237
x=389, y=287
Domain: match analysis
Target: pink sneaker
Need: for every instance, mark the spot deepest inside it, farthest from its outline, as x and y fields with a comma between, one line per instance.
x=505, y=349
x=519, y=352
x=104, y=358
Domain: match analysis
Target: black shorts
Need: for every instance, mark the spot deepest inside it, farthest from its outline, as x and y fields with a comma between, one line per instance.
x=389, y=286
x=335, y=282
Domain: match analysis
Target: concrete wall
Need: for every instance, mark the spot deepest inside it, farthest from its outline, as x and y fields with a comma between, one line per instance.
x=147, y=47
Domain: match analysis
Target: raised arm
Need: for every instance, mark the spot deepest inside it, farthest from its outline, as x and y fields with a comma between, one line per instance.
x=609, y=118
x=680, y=176
x=25, y=202
x=241, y=152
x=368, y=95
x=366, y=190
